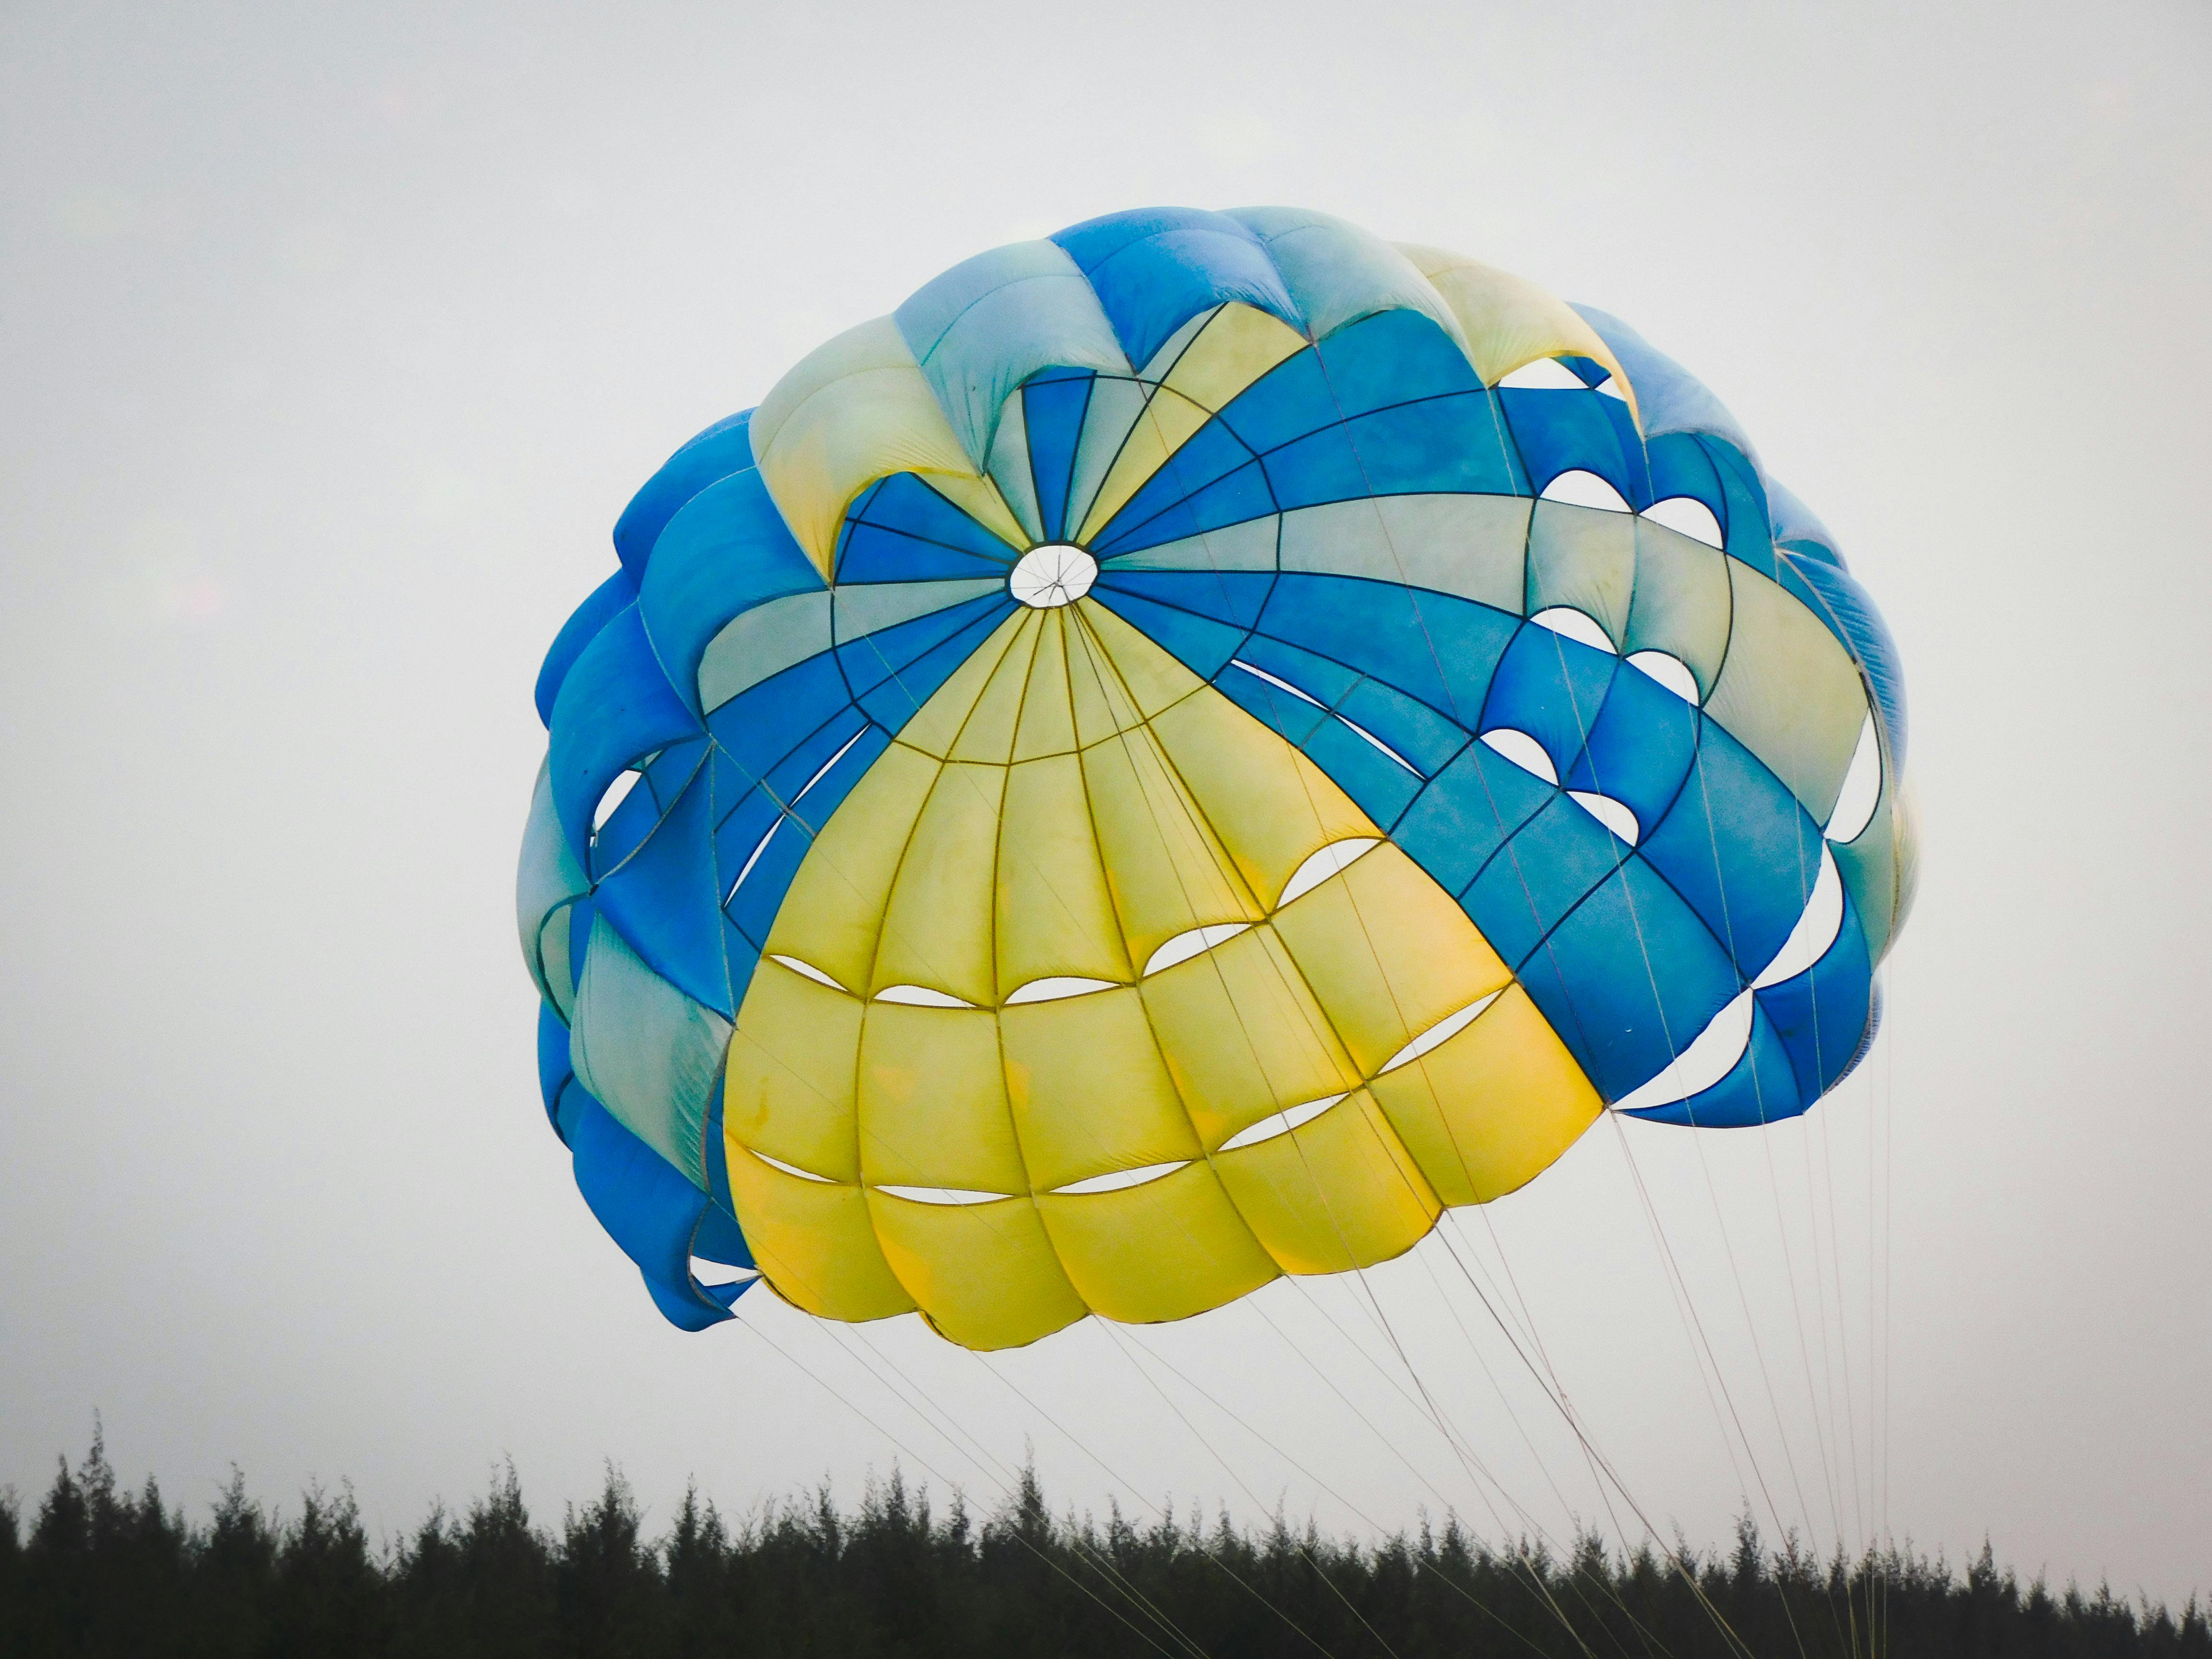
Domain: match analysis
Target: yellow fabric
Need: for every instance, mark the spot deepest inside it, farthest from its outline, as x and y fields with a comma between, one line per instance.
x=937, y=922
x=852, y=410
x=814, y=1243
x=932, y=1101
x=1056, y=917
x=1508, y=320
x=1388, y=952
x=1340, y=1193
x=1068, y=802
x=1244, y=1035
x=1492, y=1106
x=1236, y=346
x=835, y=910
x=788, y=1086
x=1090, y=1093
x=985, y=1275
x=1167, y=1249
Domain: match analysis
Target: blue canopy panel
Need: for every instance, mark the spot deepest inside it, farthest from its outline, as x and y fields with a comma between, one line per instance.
x=1054, y=406
x=1640, y=747
x=723, y=448
x=1629, y=977
x=1760, y=1089
x=1554, y=689
x=1563, y=430
x=1466, y=812
x=1156, y=269
x=1680, y=465
x=1324, y=426
x=1232, y=597
x=614, y=706
x=725, y=552
x=606, y=601
x=761, y=840
x=900, y=529
x=1203, y=644
x=661, y=781
x=652, y=1212
x=1737, y=847
x=1825, y=1016
x=664, y=897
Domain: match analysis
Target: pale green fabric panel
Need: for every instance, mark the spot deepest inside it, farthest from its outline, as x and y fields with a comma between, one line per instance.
x=1010, y=468
x=1114, y=406
x=1337, y=273
x=765, y=640
x=547, y=879
x=649, y=1053
x=850, y=411
x=989, y=323
x=1475, y=546
x=1788, y=691
x=1681, y=603
x=1881, y=865
x=1585, y=557
x=1247, y=546
x=867, y=607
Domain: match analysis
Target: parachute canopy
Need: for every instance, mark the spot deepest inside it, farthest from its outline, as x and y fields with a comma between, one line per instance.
x=1191, y=746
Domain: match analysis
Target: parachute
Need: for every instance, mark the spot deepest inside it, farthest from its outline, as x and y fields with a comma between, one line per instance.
x=1193, y=746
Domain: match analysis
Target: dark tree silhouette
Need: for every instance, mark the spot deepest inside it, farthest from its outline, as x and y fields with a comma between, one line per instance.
x=98, y=1571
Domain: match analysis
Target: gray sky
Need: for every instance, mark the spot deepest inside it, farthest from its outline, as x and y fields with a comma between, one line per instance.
x=333, y=347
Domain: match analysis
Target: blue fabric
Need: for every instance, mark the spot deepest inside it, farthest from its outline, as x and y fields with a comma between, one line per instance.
x=900, y=530
x=1155, y=270
x=665, y=899
x=1213, y=452
x=646, y=1206
x=1761, y=1089
x=1053, y=408
x=1202, y=645
x=1383, y=788
x=607, y=600
x=726, y=551
x=1839, y=600
x=899, y=698
x=1438, y=648
x=1670, y=397
x=1293, y=719
x=1640, y=748
x=1426, y=740
x=1821, y=1014
x=631, y=822
x=758, y=727
x=1466, y=813
x=1629, y=977
x=1393, y=357
x=1680, y=466
x=554, y=1072
x=1233, y=597
x=1553, y=688
x=1549, y=864
x=614, y=707
x=1234, y=498
x=723, y=448
x=1739, y=848
x=1563, y=431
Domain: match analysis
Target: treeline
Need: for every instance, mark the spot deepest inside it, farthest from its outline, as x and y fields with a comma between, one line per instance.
x=96, y=1569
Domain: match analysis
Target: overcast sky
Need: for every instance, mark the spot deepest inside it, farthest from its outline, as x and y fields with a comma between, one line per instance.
x=334, y=339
